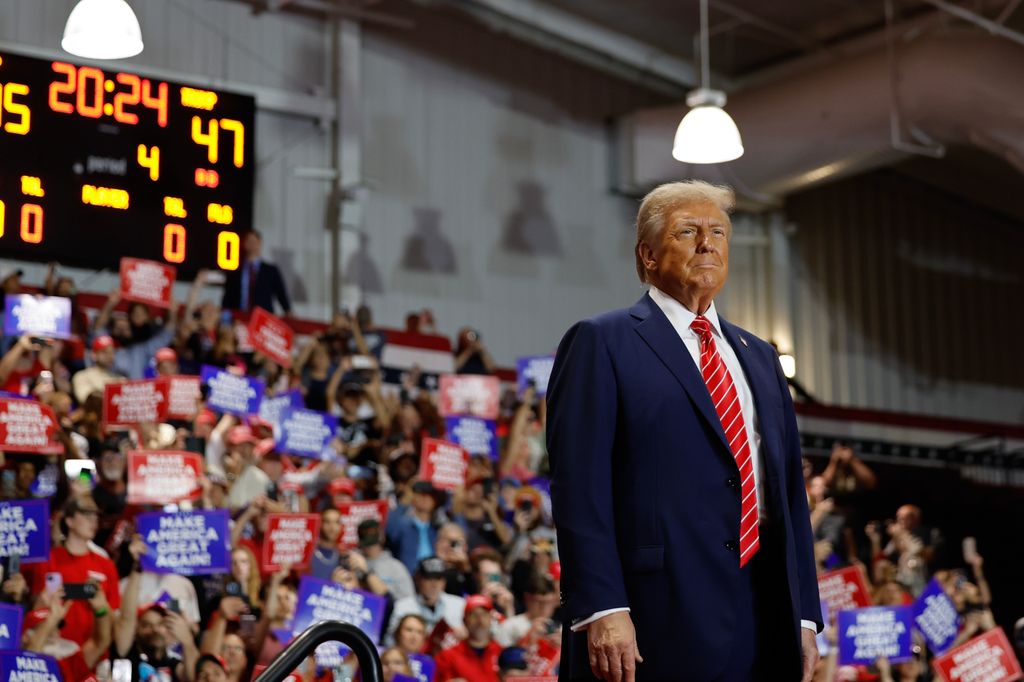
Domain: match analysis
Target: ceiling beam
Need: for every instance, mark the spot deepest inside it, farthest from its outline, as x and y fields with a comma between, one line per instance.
x=551, y=28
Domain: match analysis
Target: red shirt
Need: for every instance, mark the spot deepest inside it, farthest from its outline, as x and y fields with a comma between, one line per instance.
x=18, y=381
x=462, y=661
x=91, y=567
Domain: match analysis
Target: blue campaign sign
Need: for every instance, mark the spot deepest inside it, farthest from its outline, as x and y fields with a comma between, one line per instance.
x=866, y=634
x=330, y=655
x=37, y=315
x=25, y=529
x=305, y=432
x=320, y=600
x=423, y=667
x=474, y=435
x=272, y=407
x=936, y=618
x=24, y=665
x=238, y=395
x=186, y=543
x=535, y=369
x=10, y=625
x=399, y=677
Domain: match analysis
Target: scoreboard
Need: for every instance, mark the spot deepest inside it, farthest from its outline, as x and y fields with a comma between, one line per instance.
x=97, y=164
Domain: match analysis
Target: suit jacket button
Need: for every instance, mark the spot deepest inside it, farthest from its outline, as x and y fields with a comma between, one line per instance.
x=732, y=482
x=730, y=545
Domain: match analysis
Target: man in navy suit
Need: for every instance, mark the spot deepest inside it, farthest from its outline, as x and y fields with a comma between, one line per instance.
x=256, y=282
x=677, y=486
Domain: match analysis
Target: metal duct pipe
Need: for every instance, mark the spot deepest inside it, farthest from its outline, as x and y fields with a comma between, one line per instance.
x=955, y=88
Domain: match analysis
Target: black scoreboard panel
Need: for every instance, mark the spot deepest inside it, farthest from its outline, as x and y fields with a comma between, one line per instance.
x=97, y=164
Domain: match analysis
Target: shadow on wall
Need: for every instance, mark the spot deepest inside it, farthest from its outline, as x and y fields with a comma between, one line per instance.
x=434, y=265
x=361, y=271
x=284, y=259
x=529, y=229
x=427, y=249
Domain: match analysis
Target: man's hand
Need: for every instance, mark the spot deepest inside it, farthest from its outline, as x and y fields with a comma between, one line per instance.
x=611, y=642
x=809, y=653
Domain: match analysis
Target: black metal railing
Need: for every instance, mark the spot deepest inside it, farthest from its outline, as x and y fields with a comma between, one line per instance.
x=330, y=631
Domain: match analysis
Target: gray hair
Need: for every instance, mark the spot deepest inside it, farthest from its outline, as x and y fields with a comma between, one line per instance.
x=662, y=200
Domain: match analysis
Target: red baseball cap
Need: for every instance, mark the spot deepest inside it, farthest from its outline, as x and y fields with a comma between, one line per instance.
x=342, y=485
x=477, y=601
x=166, y=354
x=206, y=417
x=35, y=617
x=241, y=434
x=264, y=447
x=261, y=426
x=102, y=343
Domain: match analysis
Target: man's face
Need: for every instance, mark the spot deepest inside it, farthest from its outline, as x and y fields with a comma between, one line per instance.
x=104, y=358
x=85, y=521
x=423, y=502
x=430, y=588
x=112, y=465
x=691, y=255
x=152, y=632
x=26, y=474
x=450, y=539
x=488, y=571
x=167, y=368
x=253, y=246
x=121, y=329
x=330, y=526
x=478, y=622
x=233, y=653
x=138, y=314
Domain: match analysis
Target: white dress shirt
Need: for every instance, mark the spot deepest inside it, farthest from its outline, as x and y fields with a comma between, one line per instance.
x=680, y=318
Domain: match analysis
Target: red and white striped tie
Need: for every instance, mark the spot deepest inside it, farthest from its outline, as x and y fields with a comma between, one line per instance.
x=727, y=405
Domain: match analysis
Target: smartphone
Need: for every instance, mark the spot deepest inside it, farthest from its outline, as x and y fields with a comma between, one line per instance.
x=970, y=546
x=10, y=566
x=54, y=582
x=121, y=670
x=362, y=362
x=80, y=591
x=173, y=606
x=247, y=625
x=74, y=468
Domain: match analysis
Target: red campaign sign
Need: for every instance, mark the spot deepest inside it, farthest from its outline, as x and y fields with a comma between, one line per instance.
x=28, y=426
x=163, y=476
x=271, y=336
x=354, y=513
x=182, y=396
x=986, y=658
x=844, y=589
x=135, y=402
x=444, y=464
x=147, y=281
x=469, y=394
x=290, y=539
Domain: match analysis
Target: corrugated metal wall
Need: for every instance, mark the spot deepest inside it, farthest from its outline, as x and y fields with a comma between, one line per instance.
x=907, y=299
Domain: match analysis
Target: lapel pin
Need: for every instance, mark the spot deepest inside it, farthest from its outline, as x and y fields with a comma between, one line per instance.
x=743, y=341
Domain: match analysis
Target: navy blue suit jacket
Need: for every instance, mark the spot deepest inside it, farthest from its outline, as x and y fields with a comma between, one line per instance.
x=643, y=497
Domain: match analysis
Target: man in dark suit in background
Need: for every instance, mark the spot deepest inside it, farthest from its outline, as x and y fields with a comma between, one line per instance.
x=677, y=485
x=255, y=282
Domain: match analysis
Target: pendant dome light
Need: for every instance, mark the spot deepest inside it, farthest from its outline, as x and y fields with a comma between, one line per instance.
x=102, y=29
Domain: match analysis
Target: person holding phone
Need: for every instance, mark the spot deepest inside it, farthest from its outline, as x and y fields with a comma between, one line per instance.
x=78, y=565
x=42, y=633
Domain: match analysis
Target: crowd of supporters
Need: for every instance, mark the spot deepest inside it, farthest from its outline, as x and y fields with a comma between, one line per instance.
x=469, y=578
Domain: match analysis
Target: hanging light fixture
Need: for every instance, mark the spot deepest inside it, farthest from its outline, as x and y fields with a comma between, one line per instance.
x=102, y=29
x=707, y=134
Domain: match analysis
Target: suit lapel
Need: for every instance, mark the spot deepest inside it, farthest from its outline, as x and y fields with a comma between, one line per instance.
x=658, y=333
